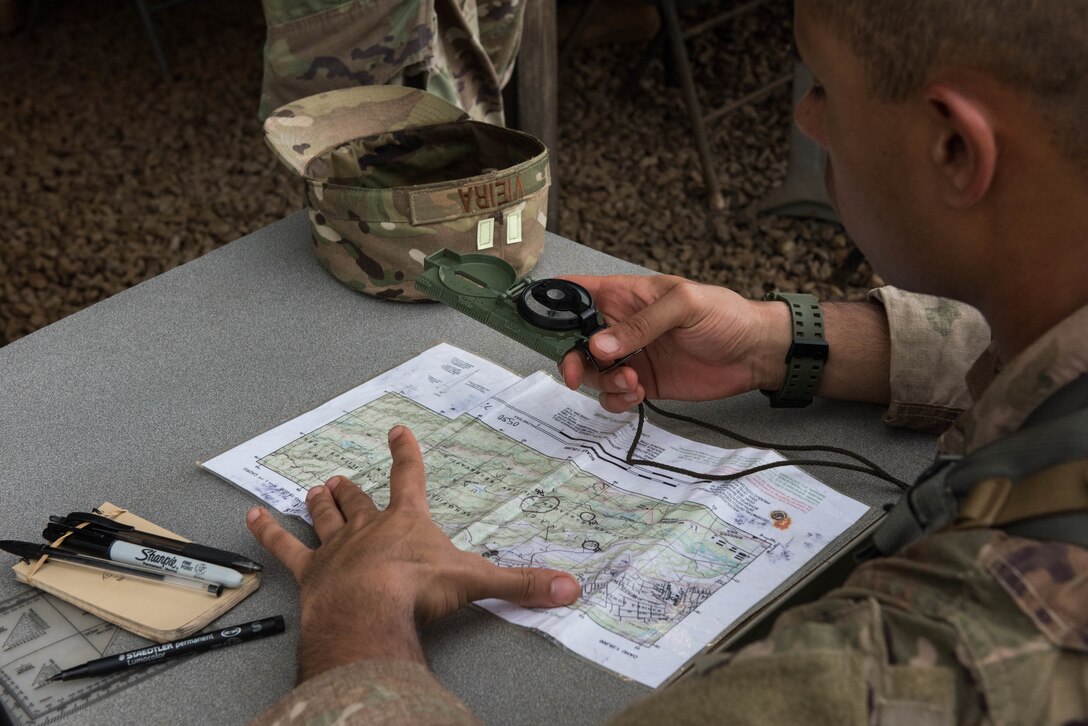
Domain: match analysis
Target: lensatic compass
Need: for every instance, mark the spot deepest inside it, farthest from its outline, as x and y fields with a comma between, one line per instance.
x=551, y=316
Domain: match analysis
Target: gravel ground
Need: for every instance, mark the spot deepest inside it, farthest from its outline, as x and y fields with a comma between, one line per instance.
x=109, y=175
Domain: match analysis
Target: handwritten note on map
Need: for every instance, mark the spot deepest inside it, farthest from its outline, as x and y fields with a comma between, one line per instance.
x=528, y=473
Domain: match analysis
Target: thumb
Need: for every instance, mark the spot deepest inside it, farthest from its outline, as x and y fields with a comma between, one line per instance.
x=532, y=587
x=642, y=328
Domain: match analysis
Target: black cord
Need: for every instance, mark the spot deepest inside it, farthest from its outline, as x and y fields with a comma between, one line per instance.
x=865, y=466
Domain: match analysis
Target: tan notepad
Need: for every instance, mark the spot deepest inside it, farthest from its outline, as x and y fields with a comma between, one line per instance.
x=149, y=609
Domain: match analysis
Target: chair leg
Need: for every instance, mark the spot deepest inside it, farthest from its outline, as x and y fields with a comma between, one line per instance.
x=538, y=90
x=153, y=38
x=683, y=68
x=804, y=192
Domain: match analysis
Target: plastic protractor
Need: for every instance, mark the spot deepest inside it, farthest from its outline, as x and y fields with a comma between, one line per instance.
x=477, y=275
x=556, y=305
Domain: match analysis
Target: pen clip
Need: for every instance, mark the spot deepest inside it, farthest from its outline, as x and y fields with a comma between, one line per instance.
x=56, y=530
x=97, y=521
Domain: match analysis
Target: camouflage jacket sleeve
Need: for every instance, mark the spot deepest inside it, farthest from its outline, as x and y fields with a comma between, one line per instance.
x=373, y=692
x=934, y=343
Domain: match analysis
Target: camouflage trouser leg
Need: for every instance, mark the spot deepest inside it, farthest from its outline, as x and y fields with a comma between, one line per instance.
x=460, y=50
x=933, y=635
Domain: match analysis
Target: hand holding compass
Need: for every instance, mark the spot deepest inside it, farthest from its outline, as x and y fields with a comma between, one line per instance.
x=702, y=342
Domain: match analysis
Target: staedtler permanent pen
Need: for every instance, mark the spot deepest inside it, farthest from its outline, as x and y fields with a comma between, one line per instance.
x=32, y=551
x=156, y=653
x=128, y=533
x=101, y=544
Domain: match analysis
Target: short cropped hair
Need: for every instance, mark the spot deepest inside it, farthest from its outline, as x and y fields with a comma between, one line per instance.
x=1035, y=46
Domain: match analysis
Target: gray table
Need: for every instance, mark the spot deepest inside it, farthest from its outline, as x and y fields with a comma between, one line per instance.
x=118, y=402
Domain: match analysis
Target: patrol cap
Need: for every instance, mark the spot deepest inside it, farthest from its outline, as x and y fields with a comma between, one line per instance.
x=394, y=174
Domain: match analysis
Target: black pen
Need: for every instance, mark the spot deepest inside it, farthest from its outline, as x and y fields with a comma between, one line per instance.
x=97, y=543
x=31, y=551
x=152, y=654
x=128, y=533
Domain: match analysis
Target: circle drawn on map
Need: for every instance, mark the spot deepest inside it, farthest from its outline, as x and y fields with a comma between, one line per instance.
x=588, y=517
x=592, y=545
x=539, y=504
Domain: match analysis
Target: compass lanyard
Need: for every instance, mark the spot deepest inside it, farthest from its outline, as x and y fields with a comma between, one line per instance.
x=865, y=466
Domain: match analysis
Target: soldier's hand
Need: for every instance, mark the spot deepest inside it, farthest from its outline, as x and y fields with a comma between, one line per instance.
x=701, y=342
x=378, y=574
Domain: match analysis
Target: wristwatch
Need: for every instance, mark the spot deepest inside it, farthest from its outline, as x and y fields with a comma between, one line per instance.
x=807, y=354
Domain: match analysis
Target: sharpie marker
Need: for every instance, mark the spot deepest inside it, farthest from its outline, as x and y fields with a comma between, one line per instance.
x=103, y=545
x=32, y=551
x=156, y=653
x=128, y=533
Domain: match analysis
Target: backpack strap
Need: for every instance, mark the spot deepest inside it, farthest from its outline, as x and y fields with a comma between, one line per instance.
x=1061, y=489
x=1048, y=461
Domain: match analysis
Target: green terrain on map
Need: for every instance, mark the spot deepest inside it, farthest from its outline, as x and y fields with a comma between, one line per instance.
x=644, y=564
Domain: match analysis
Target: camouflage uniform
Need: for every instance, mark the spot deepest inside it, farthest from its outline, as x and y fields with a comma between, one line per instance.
x=460, y=50
x=964, y=626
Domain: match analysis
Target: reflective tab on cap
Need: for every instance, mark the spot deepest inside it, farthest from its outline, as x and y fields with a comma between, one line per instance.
x=513, y=228
x=485, y=234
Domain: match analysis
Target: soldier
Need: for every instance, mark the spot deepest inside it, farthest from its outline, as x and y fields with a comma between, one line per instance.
x=958, y=160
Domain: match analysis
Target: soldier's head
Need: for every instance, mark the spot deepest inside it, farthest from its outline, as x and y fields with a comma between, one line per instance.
x=948, y=120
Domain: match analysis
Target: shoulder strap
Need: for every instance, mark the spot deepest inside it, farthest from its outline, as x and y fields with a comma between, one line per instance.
x=1061, y=489
x=1033, y=454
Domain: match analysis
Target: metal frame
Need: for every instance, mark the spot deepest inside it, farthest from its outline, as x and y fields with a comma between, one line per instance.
x=673, y=35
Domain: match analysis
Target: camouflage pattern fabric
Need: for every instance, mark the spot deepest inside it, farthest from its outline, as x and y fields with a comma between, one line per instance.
x=383, y=693
x=934, y=341
x=394, y=174
x=460, y=50
x=1015, y=390
x=962, y=627
x=929, y=636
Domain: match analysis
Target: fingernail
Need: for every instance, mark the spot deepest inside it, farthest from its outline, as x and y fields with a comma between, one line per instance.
x=314, y=491
x=252, y=514
x=630, y=397
x=607, y=343
x=395, y=432
x=331, y=484
x=564, y=590
x=621, y=381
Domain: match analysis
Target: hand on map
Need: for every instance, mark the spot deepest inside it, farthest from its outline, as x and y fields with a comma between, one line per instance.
x=379, y=573
x=701, y=342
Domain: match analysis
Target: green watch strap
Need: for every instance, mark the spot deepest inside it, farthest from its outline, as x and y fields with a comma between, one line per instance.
x=807, y=354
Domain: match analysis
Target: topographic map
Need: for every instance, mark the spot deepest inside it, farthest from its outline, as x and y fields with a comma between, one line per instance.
x=527, y=473
x=643, y=564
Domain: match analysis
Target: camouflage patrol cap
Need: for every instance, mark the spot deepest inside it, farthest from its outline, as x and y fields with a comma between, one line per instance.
x=394, y=174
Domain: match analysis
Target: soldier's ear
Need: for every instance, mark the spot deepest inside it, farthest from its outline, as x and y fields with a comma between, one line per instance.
x=963, y=145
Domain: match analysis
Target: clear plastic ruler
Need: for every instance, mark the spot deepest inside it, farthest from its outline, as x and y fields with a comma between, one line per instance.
x=41, y=635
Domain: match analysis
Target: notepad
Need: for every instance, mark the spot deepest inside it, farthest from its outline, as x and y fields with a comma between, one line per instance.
x=149, y=609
